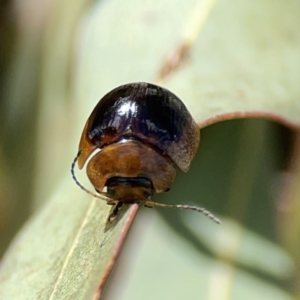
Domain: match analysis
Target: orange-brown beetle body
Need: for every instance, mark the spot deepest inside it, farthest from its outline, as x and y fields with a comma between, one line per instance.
x=142, y=131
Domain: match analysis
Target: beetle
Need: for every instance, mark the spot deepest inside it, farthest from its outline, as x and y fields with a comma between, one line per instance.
x=142, y=133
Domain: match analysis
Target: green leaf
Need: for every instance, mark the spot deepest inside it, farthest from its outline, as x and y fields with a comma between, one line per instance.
x=66, y=251
x=245, y=63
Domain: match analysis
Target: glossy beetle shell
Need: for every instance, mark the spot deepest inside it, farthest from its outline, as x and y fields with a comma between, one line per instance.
x=139, y=133
x=142, y=132
x=145, y=112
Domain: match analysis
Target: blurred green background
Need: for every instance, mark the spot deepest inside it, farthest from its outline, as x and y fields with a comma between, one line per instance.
x=246, y=172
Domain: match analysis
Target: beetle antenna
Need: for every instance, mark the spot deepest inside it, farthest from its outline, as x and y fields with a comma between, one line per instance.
x=181, y=206
x=79, y=184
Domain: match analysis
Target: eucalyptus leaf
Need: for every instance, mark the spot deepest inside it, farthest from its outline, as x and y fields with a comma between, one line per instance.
x=244, y=63
x=66, y=251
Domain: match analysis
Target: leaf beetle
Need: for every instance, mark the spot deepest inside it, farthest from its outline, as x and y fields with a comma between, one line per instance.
x=142, y=133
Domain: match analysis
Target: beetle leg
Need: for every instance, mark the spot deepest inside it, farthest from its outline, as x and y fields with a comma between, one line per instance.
x=146, y=204
x=115, y=212
x=111, y=202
